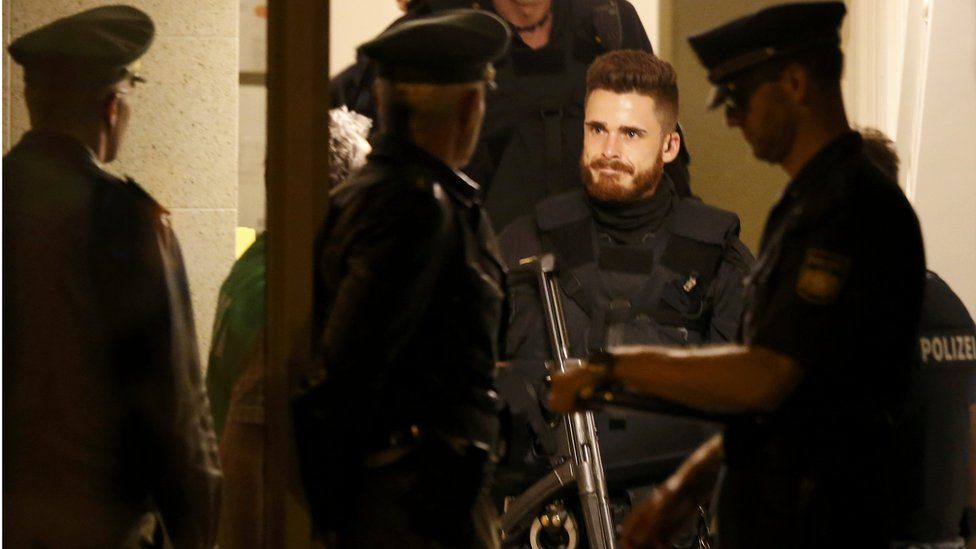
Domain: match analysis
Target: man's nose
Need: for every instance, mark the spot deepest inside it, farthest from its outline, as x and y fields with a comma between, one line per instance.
x=611, y=147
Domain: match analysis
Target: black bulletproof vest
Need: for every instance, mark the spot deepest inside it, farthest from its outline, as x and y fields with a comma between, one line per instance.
x=653, y=292
x=932, y=451
x=532, y=132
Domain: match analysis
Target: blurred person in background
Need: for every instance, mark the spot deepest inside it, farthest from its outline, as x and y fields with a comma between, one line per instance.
x=935, y=467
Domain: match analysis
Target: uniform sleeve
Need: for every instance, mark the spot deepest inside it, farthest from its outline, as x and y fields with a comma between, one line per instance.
x=816, y=300
x=170, y=448
x=391, y=259
x=728, y=293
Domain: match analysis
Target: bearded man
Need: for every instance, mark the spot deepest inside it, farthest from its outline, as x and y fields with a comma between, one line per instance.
x=637, y=263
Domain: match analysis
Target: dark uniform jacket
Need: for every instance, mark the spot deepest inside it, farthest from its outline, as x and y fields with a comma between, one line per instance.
x=409, y=299
x=674, y=278
x=104, y=409
x=837, y=287
x=932, y=466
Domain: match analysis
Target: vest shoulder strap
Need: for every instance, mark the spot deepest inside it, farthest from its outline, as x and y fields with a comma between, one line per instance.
x=698, y=221
x=561, y=210
x=607, y=23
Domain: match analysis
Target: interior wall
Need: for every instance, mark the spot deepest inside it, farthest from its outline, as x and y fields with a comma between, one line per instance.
x=181, y=144
x=873, y=38
x=936, y=136
x=252, y=108
x=723, y=171
x=352, y=23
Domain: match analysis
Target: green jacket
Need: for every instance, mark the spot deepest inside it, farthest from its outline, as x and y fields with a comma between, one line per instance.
x=237, y=330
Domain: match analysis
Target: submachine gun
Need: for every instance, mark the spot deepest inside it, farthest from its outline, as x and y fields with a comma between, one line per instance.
x=577, y=461
x=575, y=451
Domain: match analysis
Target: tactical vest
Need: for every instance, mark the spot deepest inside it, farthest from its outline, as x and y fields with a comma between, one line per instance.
x=676, y=269
x=654, y=292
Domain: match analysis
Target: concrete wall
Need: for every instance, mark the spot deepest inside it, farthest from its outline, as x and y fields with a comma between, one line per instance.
x=182, y=140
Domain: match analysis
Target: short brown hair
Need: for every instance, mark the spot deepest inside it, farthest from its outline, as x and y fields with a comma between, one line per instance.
x=881, y=151
x=635, y=71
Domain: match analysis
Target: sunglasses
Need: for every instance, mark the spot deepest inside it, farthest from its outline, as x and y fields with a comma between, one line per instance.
x=738, y=93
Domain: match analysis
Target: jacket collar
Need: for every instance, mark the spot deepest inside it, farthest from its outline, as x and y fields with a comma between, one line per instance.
x=830, y=155
x=392, y=148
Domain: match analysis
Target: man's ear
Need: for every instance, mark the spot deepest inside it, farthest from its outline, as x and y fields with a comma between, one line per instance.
x=671, y=147
x=470, y=105
x=796, y=82
x=110, y=109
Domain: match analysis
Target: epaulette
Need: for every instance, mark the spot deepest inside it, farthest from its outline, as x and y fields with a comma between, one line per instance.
x=129, y=184
x=698, y=221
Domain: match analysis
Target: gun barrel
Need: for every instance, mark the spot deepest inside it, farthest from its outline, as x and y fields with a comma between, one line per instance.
x=580, y=427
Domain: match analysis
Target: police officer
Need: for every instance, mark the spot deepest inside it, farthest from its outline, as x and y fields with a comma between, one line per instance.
x=638, y=263
x=105, y=417
x=409, y=307
x=934, y=464
x=531, y=139
x=932, y=471
x=830, y=320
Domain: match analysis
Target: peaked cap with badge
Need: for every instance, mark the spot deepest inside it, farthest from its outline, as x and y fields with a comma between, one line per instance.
x=97, y=46
x=451, y=47
x=776, y=32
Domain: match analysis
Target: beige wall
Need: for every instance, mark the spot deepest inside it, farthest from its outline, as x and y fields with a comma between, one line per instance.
x=936, y=136
x=352, y=22
x=182, y=141
x=723, y=170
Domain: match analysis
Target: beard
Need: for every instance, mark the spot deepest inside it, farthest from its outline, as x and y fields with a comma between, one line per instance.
x=609, y=188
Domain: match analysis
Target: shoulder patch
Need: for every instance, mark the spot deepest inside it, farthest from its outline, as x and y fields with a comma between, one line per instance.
x=822, y=276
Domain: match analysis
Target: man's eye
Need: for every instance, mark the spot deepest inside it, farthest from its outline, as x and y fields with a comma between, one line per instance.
x=596, y=129
x=633, y=134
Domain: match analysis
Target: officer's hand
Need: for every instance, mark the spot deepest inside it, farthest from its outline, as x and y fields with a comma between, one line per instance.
x=567, y=388
x=655, y=521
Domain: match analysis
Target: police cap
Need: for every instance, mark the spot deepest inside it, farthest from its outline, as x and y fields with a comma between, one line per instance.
x=729, y=50
x=100, y=45
x=448, y=48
